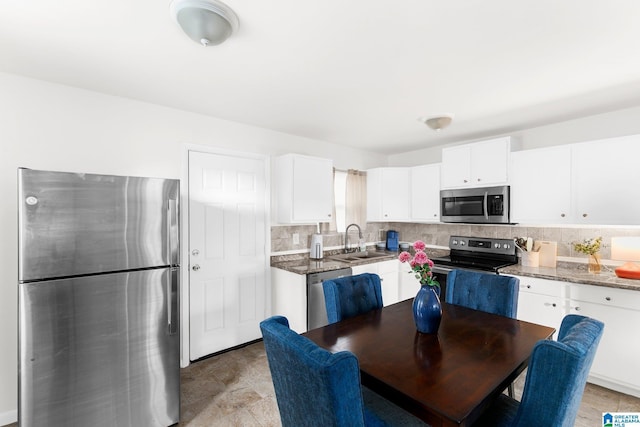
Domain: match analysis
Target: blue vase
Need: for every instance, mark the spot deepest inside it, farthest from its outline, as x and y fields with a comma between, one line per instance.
x=427, y=310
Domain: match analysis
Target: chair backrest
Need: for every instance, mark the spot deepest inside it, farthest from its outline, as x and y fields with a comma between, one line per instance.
x=313, y=386
x=557, y=374
x=488, y=292
x=352, y=295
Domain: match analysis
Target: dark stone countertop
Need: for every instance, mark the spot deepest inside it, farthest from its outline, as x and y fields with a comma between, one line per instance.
x=302, y=264
x=575, y=273
x=570, y=272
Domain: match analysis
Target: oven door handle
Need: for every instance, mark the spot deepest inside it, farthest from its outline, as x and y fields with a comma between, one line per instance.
x=486, y=205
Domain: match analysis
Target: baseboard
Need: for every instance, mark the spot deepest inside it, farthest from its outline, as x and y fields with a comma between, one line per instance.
x=614, y=385
x=8, y=417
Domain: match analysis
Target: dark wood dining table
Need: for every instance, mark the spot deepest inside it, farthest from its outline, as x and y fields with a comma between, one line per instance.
x=446, y=379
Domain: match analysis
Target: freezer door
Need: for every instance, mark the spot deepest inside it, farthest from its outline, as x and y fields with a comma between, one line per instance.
x=73, y=224
x=100, y=351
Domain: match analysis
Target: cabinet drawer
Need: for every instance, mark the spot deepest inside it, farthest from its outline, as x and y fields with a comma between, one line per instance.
x=542, y=286
x=607, y=296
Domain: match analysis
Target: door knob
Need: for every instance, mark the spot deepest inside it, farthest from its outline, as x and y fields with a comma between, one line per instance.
x=196, y=267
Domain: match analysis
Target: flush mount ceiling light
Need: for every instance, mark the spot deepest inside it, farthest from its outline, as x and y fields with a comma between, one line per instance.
x=208, y=22
x=437, y=123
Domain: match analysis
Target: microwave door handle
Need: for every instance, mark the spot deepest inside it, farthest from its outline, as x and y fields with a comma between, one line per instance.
x=486, y=205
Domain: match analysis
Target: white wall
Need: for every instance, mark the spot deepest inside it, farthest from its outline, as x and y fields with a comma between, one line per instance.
x=590, y=128
x=54, y=127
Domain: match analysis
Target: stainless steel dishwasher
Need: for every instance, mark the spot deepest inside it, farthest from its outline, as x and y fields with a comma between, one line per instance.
x=316, y=310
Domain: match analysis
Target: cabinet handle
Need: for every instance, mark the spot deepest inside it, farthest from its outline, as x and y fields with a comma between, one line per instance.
x=562, y=215
x=465, y=181
x=607, y=298
x=435, y=215
x=329, y=215
x=584, y=215
x=528, y=286
x=576, y=308
x=479, y=180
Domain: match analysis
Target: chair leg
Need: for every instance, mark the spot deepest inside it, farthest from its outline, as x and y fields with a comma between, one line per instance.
x=510, y=391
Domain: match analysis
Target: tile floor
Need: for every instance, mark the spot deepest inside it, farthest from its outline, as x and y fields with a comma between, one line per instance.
x=234, y=389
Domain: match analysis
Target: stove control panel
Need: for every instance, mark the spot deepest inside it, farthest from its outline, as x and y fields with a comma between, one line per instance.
x=482, y=245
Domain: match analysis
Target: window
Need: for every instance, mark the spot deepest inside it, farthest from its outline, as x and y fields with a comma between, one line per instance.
x=350, y=193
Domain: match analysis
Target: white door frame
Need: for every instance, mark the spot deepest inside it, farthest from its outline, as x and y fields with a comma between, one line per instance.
x=184, y=229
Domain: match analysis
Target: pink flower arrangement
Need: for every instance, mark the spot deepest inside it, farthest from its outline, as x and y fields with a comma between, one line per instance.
x=420, y=264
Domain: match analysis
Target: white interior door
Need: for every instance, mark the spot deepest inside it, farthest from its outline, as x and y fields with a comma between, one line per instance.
x=227, y=251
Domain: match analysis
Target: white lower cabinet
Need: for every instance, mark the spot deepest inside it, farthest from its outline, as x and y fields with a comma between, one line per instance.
x=388, y=272
x=289, y=297
x=409, y=285
x=616, y=363
x=547, y=302
x=542, y=301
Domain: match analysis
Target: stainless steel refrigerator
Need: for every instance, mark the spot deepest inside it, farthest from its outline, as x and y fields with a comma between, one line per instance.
x=98, y=300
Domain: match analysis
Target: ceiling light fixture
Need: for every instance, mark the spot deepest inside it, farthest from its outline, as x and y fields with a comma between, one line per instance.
x=437, y=123
x=208, y=22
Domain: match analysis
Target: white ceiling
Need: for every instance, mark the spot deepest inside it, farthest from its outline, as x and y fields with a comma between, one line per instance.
x=353, y=72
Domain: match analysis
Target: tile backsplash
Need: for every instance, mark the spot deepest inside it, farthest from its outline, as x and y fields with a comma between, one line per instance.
x=438, y=235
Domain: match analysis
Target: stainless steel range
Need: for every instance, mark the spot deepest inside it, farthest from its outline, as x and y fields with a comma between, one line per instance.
x=475, y=253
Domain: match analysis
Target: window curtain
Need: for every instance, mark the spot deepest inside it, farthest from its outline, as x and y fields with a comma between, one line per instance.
x=356, y=198
x=350, y=201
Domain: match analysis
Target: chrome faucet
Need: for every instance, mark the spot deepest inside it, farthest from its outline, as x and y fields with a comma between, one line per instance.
x=346, y=236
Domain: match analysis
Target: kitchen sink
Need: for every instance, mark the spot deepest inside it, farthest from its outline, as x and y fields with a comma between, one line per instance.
x=359, y=256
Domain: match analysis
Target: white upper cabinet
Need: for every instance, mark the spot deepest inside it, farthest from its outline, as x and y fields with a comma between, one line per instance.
x=583, y=183
x=303, y=188
x=541, y=185
x=388, y=194
x=606, y=181
x=480, y=164
x=425, y=193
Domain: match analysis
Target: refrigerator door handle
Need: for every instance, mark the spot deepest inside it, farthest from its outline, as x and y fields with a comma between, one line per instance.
x=172, y=232
x=172, y=301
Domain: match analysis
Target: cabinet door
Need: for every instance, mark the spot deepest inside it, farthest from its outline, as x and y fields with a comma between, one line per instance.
x=289, y=297
x=395, y=194
x=541, y=185
x=489, y=162
x=541, y=309
x=388, y=272
x=425, y=193
x=409, y=285
x=542, y=301
x=476, y=165
x=456, y=167
x=388, y=194
x=312, y=189
x=605, y=181
x=303, y=189
x=616, y=359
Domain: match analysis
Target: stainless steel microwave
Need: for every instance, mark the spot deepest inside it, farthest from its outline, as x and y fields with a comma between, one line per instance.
x=482, y=205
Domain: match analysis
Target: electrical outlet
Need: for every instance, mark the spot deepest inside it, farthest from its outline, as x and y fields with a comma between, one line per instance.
x=296, y=238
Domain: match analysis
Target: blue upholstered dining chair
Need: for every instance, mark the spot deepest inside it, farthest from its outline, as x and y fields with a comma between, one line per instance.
x=352, y=295
x=555, y=380
x=317, y=388
x=492, y=293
